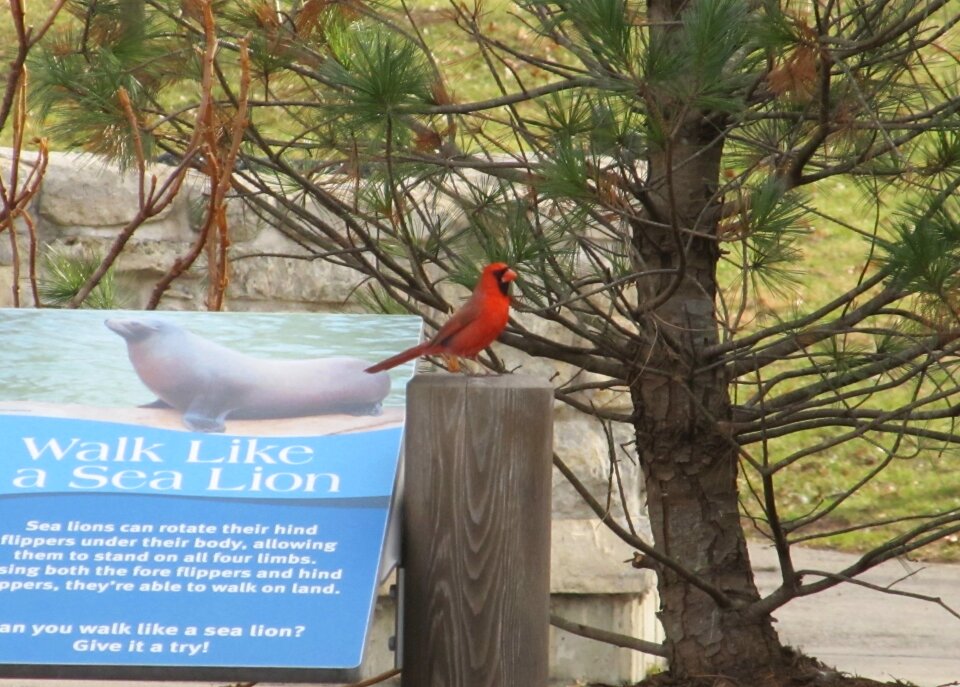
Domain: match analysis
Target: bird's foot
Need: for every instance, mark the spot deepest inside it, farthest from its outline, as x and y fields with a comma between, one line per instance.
x=474, y=369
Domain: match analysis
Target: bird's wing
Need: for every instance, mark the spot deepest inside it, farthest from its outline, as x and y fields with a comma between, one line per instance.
x=459, y=321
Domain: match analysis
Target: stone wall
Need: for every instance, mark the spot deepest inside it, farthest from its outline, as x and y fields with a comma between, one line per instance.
x=83, y=204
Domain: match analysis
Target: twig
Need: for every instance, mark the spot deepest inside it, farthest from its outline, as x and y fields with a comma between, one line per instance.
x=884, y=589
x=608, y=637
x=920, y=536
x=615, y=472
x=789, y=575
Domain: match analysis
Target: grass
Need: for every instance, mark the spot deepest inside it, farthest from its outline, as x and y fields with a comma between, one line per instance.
x=928, y=481
x=833, y=257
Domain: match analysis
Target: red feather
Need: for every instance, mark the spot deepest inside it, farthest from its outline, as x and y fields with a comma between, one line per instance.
x=473, y=327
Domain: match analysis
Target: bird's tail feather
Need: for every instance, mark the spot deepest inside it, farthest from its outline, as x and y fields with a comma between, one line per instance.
x=400, y=358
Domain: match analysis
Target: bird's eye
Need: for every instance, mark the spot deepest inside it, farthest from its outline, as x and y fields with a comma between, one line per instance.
x=503, y=284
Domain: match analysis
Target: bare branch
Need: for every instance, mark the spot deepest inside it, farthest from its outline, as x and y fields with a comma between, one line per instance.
x=914, y=539
x=608, y=637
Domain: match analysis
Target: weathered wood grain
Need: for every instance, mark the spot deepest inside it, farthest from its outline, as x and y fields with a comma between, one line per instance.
x=477, y=531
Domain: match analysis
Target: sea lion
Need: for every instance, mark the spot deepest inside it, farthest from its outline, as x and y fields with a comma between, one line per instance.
x=209, y=382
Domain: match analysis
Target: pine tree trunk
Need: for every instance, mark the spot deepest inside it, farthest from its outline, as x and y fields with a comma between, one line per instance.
x=690, y=473
x=690, y=466
x=690, y=470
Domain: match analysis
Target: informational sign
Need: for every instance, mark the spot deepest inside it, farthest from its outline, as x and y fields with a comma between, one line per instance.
x=234, y=529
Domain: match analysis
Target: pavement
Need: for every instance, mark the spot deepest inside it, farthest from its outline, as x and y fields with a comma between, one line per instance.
x=869, y=633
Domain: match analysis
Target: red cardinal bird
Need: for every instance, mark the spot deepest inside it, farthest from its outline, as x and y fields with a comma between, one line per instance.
x=472, y=328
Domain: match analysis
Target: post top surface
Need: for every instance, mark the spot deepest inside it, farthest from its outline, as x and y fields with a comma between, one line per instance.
x=508, y=381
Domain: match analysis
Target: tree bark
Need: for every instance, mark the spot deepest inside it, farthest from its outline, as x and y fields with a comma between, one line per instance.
x=689, y=464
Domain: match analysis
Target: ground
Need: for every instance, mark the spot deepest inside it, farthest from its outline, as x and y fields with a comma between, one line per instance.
x=834, y=680
x=803, y=671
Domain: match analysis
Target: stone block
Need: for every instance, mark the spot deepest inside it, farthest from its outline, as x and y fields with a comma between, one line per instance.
x=587, y=558
x=27, y=162
x=83, y=196
x=243, y=222
x=575, y=659
x=6, y=286
x=22, y=236
x=314, y=284
x=138, y=268
x=580, y=441
x=82, y=191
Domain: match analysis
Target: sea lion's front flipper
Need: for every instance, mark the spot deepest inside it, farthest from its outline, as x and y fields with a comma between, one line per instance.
x=206, y=414
x=159, y=403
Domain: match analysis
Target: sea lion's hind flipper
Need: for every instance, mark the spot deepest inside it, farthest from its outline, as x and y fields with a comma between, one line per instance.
x=206, y=414
x=159, y=403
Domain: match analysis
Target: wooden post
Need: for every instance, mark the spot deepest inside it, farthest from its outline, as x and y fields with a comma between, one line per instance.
x=476, y=531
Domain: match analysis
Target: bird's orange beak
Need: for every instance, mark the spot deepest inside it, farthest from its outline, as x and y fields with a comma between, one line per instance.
x=508, y=276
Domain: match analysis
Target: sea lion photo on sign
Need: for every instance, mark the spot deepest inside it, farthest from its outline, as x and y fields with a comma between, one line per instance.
x=209, y=382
